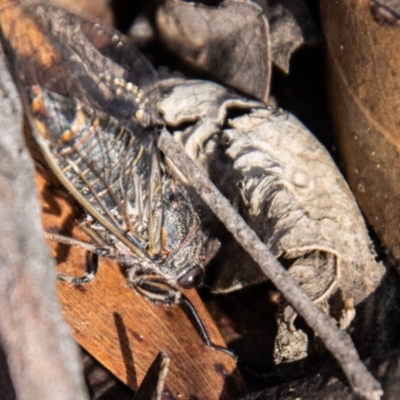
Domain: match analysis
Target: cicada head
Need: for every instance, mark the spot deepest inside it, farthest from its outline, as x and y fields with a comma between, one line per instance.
x=182, y=237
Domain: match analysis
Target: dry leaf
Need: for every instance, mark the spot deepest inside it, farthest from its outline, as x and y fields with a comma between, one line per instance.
x=364, y=64
x=230, y=41
x=288, y=189
x=102, y=384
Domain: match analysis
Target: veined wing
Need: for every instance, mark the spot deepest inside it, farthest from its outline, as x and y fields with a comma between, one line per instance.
x=82, y=59
x=113, y=174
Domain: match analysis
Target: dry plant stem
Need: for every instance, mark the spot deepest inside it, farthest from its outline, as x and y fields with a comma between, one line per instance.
x=335, y=340
x=43, y=359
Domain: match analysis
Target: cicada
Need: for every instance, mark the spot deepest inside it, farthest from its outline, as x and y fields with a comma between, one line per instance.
x=88, y=96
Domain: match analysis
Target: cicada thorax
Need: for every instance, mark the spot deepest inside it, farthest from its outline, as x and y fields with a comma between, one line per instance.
x=137, y=209
x=182, y=239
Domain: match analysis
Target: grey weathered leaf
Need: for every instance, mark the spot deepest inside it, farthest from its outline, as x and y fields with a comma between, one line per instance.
x=289, y=190
x=230, y=41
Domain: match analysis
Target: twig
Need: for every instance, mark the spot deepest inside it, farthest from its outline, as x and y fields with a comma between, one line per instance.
x=335, y=340
x=42, y=358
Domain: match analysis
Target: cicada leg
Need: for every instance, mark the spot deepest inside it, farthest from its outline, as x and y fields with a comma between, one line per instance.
x=184, y=301
x=153, y=287
x=92, y=263
x=92, y=254
x=157, y=290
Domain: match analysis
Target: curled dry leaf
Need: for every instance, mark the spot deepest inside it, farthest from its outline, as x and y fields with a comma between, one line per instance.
x=364, y=64
x=290, y=192
x=230, y=41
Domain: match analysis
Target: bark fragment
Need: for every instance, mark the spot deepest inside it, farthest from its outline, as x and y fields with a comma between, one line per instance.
x=41, y=355
x=364, y=60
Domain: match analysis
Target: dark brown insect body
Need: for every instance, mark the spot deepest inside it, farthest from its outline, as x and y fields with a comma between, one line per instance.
x=136, y=212
x=88, y=96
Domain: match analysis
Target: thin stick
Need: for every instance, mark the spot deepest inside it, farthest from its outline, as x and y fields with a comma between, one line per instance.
x=335, y=340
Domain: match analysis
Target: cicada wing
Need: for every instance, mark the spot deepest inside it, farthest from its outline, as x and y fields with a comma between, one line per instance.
x=78, y=59
x=106, y=168
x=81, y=59
x=143, y=211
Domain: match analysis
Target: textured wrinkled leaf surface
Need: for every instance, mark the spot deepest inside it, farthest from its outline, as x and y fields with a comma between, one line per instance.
x=289, y=190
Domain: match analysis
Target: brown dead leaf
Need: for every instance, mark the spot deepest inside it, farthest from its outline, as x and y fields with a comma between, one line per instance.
x=230, y=41
x=124, y=331
x=364, y=63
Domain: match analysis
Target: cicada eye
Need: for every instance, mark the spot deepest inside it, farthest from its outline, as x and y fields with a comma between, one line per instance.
x=192, y=279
